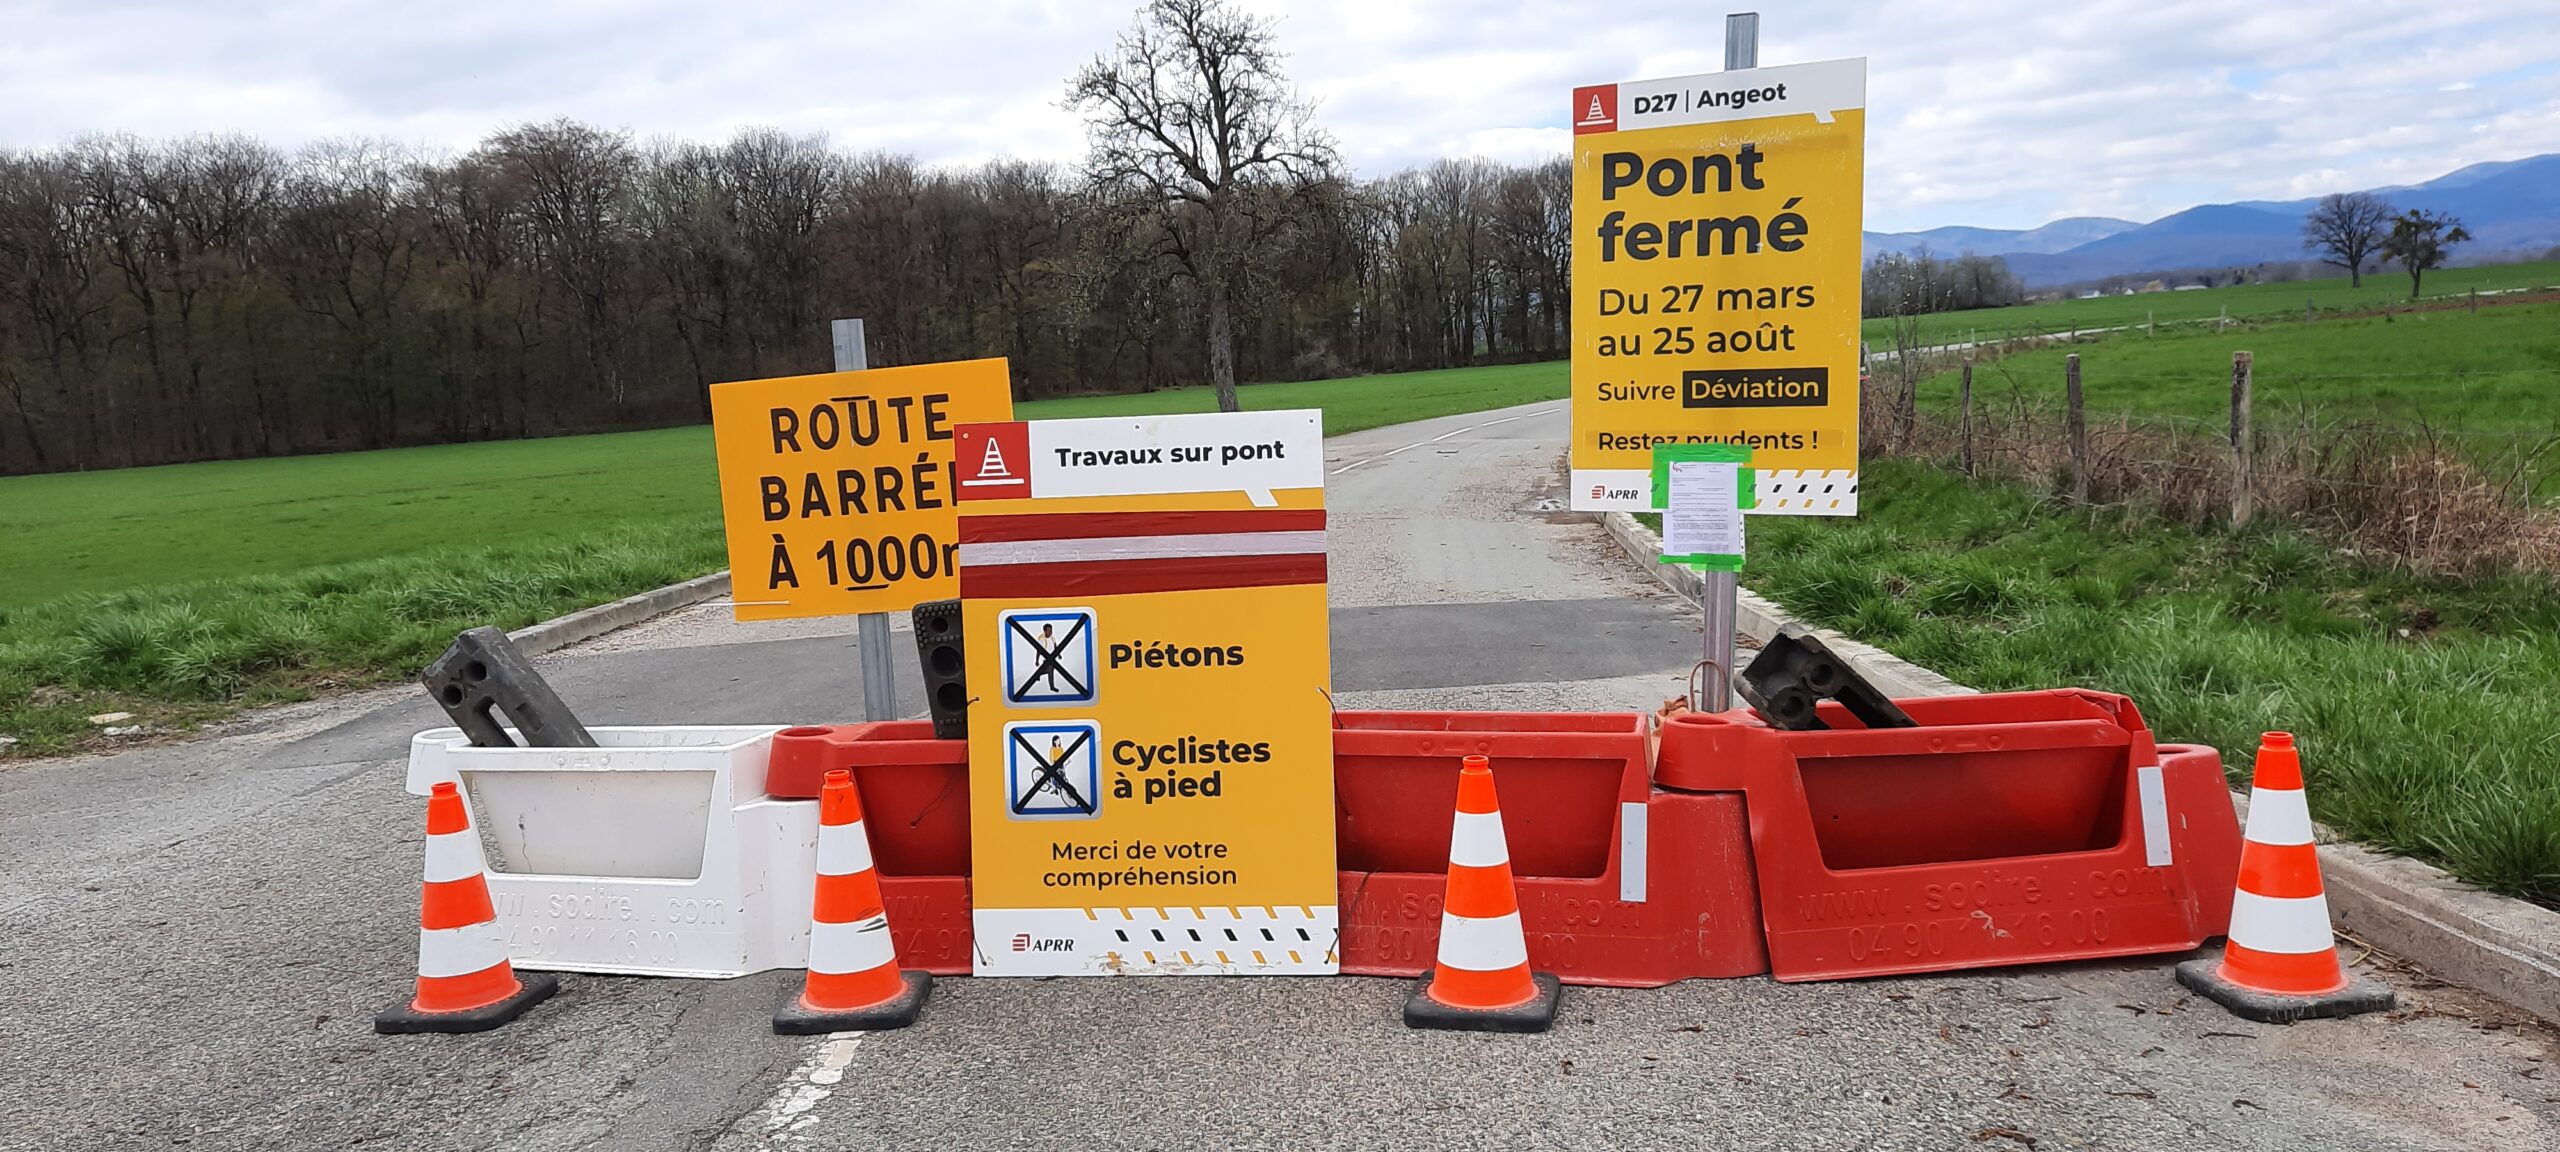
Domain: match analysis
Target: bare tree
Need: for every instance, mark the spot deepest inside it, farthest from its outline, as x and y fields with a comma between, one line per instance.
x=1191, y=109
x=2419, y=240
x=578, y=183
x=2347, y=228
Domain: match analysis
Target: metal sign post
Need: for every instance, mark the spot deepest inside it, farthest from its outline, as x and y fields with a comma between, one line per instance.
x=871, y=629
x=1721, y=592
x=1741, y=41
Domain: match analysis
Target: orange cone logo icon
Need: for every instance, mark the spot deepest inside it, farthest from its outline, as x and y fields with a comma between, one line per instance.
x=991, y=469
x=465, y=983
x=2280, y=962
x=1481, y=980
x=854, y=983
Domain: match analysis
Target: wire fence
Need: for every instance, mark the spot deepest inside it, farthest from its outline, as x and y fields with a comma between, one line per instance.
x=2432, y=495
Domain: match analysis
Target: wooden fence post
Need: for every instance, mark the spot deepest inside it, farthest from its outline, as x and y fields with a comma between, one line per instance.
x=2244, y=445
x=2079, y=428
x=1964, y=401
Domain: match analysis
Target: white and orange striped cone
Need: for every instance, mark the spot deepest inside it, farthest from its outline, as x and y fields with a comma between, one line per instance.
x=465, y=983
x=1482, y=981
x=2280, y=962
x=854, y=983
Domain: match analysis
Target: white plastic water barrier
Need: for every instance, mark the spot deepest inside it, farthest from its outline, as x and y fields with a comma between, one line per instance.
x=656, y=853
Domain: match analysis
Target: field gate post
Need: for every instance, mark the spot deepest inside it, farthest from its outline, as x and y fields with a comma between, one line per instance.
x=871, y=629
x=1964, y=406
x=2076, y=423
x=2244, y=446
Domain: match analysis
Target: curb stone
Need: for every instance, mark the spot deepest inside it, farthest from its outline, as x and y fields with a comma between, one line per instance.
x=2502, y=947
x=588, y=623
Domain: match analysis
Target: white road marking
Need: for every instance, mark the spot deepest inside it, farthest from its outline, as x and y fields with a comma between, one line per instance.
x=1436, y=439
x=809, y=1085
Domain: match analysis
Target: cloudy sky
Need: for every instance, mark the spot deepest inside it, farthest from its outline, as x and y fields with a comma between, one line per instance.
x=2003, y=113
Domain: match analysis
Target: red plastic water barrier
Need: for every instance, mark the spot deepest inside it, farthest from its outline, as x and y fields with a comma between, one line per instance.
x=915, y=788
x=915, y=801
x=1619, y=884
x=2008, y=828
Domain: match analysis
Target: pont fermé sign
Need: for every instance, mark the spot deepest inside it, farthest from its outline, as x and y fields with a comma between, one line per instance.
x=1716, y=251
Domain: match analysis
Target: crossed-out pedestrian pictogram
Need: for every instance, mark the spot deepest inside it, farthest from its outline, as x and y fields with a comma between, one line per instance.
x=1049, y=657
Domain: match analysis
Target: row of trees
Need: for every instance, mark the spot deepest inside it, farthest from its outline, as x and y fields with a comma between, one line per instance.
x=1920, y=282
x=214, y=296
x=2352, y=229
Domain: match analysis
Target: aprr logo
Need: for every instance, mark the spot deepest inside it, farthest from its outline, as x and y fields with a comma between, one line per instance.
x=1021, y=941
x=1595, y=109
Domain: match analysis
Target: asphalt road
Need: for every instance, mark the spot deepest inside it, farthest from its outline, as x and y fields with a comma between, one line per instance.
x=194, y=939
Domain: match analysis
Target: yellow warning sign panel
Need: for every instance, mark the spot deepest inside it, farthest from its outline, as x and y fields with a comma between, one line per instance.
x=838, y=490
x=1150, y=746
x=1716, y=250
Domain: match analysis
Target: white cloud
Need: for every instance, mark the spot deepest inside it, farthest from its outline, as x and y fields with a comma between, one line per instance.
x=1999, y=112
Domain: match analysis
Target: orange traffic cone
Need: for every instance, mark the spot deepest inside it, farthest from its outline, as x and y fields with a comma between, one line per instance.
x=854, y=983
x=2280, y=961
x=1482, y=982
x=464, y=981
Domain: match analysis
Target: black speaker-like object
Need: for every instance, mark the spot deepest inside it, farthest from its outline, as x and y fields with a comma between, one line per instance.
x=1795, y=671
x=946, y=685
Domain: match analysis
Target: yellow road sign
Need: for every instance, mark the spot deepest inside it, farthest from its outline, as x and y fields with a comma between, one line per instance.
x=838, y=490
x=1150, y=747
x=1715, y=280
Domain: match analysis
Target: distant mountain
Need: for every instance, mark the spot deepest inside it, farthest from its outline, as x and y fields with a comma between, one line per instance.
x=2510, y=207
x=2066, y=233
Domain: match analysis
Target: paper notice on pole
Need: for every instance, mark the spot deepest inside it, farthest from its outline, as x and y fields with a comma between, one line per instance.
x=1704, y=517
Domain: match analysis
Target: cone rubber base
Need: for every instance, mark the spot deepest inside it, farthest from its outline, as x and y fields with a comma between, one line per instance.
x=1536, y=1015
x=404, y=1019
x=798, y=1019
x=2361, y=995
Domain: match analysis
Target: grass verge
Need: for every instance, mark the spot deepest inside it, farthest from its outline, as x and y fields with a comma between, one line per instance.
x=2424, y=703
x=185, y=653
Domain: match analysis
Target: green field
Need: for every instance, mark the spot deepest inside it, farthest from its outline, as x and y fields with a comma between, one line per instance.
x=149, y=527
x=185, y=591
x=2424, y=704
x=1349, y=405
x=2494, y=371
x=144, y=527
x=2388, y=288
